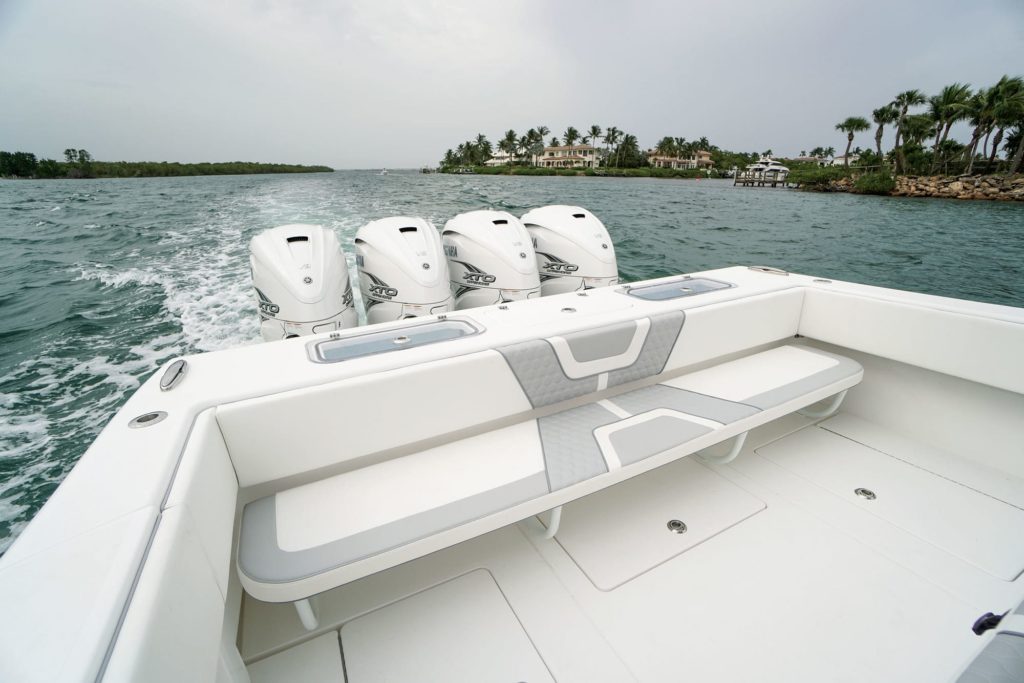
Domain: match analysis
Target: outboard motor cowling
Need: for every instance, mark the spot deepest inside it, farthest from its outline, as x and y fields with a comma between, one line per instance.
x=402, y=269
x=490, y=259
x=574, y=251
x=301, y=281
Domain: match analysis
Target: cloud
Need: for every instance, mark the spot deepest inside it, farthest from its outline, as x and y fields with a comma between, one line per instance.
x=367, y=84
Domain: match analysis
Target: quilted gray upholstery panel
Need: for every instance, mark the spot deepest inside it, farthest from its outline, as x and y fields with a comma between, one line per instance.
x=661, y=339
x=571, y=453
x=536, y=366
x=1002, y=661
x=540, y=374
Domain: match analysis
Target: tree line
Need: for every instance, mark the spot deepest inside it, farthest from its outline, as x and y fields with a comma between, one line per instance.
x=79, y=163
x=922, y=143
x=618, y=149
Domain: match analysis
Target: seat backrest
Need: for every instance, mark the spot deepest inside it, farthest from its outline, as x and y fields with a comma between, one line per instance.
x=289, y=438
x=565, y=367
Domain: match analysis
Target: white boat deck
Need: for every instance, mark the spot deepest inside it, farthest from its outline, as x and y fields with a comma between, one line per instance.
x=783, y=574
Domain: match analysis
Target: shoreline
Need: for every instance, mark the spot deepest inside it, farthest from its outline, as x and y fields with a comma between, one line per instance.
x=640, y=172
x=972, y=188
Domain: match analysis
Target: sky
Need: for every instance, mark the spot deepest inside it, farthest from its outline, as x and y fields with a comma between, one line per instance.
x=394, y=83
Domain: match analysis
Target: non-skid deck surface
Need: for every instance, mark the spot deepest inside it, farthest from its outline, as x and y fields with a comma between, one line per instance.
x=790, y=578
x=613, y=540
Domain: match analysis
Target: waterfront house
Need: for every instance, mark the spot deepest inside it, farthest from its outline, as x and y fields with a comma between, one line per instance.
x=565, y=156
x=499, y=158
x=816, y=160
x=699, y=159
x=841, y=160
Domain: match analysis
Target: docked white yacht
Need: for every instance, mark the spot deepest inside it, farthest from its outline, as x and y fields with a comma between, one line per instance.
x=741, y=474
x=767, y=165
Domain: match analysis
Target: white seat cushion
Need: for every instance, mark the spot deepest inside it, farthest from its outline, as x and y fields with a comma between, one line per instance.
x=308, y=531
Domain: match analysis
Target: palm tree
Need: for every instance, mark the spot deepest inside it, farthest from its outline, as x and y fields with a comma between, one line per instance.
x=853, y=124
x=917, y=128
x=903, y=102
x=629, y=145
x=883, y=115
x=508, y=144
x=1019, y=154
x=594, y=134
x=979, y=109
x=612, y=136
x=554, y=142
x=948, y=107
x=536, y=144
x=571, y=135
x=483, y=147
x=1007, y=110
x=523, y=146
x=703, y=144
x=829, y=152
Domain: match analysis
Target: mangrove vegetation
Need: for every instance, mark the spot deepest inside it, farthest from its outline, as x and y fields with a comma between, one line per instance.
x=79, y=163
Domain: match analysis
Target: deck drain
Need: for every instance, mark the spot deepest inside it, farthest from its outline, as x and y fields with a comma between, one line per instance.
x=676, y=526
x=866, y=494
x=147, y=419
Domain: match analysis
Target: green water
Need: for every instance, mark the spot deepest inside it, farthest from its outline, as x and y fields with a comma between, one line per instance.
x=102, y=280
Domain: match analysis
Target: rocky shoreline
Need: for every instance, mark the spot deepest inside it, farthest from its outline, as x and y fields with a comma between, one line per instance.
x=964, y=187
x=992, y=187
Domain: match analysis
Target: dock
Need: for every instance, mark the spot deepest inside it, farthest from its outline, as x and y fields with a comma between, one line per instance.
x=766, y=178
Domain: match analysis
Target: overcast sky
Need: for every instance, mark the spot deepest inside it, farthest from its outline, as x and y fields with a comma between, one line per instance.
x=372, y=83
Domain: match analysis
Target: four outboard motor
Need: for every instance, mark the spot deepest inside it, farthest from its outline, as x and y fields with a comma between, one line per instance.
x=407, y=270
x=490, y=258
x=301, y=282
x=402, y=269
x=573, y=249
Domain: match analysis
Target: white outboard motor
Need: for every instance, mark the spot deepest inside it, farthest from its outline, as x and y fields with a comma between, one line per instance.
x=490, y=259
x=301, y=281
x=573, y=249
x=402, y=269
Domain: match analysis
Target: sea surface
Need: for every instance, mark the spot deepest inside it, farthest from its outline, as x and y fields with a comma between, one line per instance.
x=101, y=281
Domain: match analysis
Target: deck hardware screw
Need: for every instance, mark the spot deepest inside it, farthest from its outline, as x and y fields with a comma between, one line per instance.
x=604, y=246
x=503, y=307
x=335, y=335
x=676, y=526
x=866, y=494
x=442, y=317
x=308, y=280
x=522, y=254
x=426, y=266
x=568, y=310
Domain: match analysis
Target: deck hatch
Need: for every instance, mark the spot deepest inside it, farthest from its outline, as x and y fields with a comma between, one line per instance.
x=393, y=339
x=677, y=289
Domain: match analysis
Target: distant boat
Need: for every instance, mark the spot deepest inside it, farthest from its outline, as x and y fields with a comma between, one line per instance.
x=383, y=171
x=765, y=166
x=765, y=171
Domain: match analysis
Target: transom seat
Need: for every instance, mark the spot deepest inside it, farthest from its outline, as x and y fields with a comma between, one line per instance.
x=310, y=538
